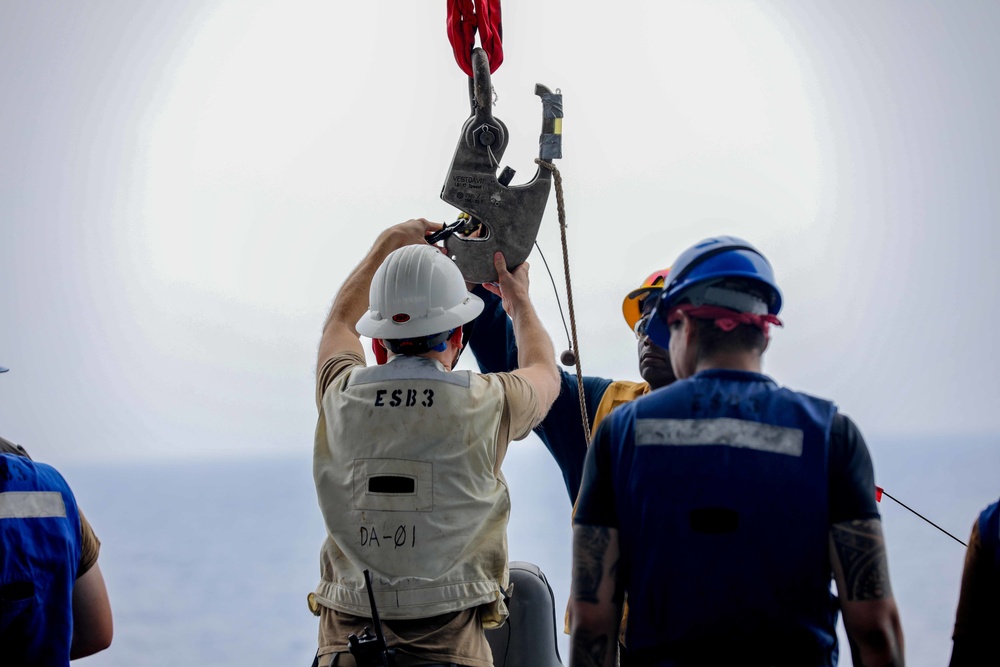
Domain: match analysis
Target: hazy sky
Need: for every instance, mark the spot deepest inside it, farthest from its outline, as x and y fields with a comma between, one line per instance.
x=184, y=186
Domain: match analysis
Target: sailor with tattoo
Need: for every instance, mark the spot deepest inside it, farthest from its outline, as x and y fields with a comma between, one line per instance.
x=724, y=504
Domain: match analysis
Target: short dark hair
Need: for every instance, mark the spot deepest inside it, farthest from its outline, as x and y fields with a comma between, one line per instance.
x=712, y=340
x=744, y=338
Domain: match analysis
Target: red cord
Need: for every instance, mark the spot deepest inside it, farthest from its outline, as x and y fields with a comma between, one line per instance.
x=381, y=356
x=465, y=18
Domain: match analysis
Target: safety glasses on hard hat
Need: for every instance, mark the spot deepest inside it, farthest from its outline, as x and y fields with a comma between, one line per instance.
x=645, y=309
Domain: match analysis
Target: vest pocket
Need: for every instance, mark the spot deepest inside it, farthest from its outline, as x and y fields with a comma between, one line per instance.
x=391, y=484
x=15, y=591
x=19, y=619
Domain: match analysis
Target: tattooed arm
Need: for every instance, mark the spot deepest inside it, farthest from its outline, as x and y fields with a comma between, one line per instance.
x=595, y=597
x=857, y=552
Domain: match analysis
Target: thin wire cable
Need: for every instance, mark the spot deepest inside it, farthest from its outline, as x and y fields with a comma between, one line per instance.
x=556, y=291
x=886, y=494
x=557, y=177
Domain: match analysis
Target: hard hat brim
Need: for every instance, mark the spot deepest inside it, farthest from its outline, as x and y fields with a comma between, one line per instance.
x=630, y=306
x=387, y=329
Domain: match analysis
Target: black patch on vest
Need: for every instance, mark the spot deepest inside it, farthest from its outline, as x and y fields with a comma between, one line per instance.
x=18, y=590
x=392, y=484
x=714, y=520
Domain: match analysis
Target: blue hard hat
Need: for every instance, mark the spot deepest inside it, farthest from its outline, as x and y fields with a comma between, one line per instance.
x=3, y=370
x=714, y=259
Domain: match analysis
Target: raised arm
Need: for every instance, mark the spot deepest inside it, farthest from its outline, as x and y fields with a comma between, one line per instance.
x=536, y=357
x=857, y=552
x=351, y=302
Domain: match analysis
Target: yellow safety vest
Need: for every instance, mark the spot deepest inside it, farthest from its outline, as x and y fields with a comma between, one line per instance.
x=617, y=393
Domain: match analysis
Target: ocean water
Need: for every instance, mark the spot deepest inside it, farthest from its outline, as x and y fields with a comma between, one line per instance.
x=210, y=563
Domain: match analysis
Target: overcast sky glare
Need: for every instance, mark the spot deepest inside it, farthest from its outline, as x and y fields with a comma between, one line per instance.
x=185, y=185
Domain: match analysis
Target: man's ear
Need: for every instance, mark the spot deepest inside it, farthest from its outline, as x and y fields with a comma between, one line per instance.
x=689, y=328
x=455, y=341
x=456, y=336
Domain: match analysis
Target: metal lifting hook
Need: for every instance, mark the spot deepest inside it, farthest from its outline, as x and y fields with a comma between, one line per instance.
x=510, y=215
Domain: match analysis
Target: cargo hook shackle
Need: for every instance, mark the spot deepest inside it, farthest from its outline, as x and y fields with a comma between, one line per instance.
x=508, y=216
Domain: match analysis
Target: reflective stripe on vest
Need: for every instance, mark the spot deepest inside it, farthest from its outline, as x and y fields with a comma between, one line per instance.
x=723, y=431
x=31, y=504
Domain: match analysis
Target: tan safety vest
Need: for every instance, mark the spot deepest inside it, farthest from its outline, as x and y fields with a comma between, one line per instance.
x=405, y=469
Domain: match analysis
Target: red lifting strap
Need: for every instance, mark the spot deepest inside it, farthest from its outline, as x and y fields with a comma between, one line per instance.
x=465, y=17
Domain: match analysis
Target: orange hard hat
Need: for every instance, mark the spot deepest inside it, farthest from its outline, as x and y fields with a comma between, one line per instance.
x=632, y=305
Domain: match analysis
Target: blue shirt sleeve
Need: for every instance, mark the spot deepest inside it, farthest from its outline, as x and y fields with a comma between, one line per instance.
x=491, y=338
x=596, y=504
x=850, y=473
x=491, y=335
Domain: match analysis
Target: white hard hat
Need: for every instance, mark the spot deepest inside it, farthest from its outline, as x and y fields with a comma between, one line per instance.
x=418, y=291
